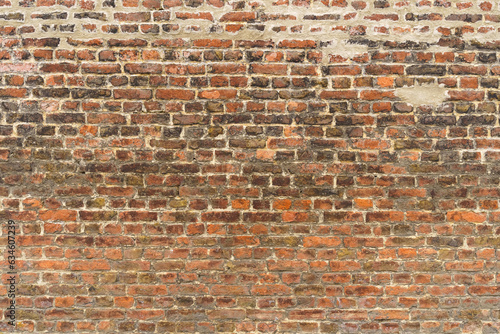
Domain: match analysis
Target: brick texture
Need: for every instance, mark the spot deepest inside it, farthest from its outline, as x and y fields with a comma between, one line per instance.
x=267, y=166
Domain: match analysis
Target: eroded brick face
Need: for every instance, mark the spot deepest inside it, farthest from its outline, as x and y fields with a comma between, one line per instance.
x=251, y=166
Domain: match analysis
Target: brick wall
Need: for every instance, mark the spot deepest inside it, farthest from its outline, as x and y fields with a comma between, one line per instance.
x=286, y=166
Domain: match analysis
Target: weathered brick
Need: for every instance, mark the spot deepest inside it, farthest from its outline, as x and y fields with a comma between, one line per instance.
x=436, y=70
x=175, y=94
x=275, y=167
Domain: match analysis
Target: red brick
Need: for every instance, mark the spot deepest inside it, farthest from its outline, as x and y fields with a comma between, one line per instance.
x=175, y=94
x=255, y=177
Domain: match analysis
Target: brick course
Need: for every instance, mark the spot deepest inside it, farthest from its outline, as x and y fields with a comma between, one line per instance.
x=267, y=166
